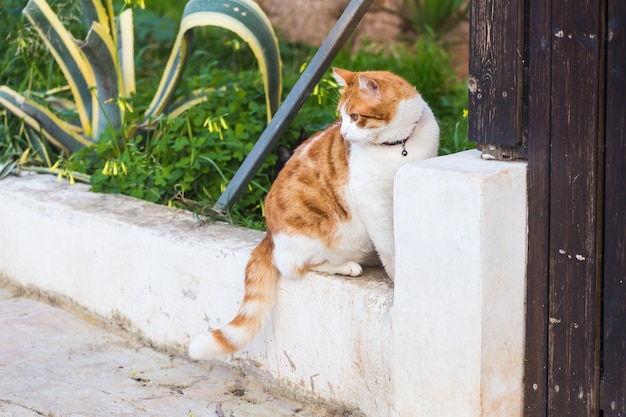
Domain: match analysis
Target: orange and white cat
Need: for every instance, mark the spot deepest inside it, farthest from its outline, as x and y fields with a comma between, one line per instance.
x=330, y=209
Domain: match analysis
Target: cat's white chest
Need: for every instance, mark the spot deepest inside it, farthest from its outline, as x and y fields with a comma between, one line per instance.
x=371, y=173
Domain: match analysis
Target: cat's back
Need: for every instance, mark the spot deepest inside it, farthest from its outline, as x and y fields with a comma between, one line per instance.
x=308, y=194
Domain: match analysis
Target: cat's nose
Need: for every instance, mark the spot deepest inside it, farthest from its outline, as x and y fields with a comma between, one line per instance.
x=343, y=133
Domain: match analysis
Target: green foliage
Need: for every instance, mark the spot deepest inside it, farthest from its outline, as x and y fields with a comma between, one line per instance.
x=171, y=9
x=434, y=18
x=25, y=64
x=186, y=161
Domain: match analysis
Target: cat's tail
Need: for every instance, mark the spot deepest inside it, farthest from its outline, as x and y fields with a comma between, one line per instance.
x=257, y=305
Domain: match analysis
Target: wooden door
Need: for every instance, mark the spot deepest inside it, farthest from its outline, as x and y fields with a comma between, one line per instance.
x=613, y=377
x=548, y=80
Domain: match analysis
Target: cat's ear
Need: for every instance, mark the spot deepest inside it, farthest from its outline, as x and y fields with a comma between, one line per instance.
x=370, y=86
x=342, y=76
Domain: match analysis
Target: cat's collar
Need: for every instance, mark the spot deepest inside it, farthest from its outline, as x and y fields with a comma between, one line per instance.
x=402, y=141
x=399, y=142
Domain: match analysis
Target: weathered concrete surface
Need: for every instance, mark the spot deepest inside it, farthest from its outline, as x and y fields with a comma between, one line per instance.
x=56, y=363
x=459, y=311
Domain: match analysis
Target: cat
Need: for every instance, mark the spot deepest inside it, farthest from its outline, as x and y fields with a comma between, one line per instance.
x=330, y=208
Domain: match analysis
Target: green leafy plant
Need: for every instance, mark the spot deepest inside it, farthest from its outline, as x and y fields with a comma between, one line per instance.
x=432, y=17
x=186, y=161
x=100, y=70
x=459, y=140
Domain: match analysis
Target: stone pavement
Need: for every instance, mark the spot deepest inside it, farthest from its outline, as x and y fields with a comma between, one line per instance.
x=56, y=363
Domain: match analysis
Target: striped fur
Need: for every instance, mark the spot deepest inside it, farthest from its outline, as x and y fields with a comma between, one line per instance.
x=330, y=208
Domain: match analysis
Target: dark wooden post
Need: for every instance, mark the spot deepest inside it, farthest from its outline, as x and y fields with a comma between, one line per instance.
x=570, y=116
x=613, y=395
x=538, y=69
x=573, y=312
x=495, y=77
x=564, y=129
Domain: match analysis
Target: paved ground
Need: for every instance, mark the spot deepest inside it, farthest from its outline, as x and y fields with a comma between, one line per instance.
x=56, y=363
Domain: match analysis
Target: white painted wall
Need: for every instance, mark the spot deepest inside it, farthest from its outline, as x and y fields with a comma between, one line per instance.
x=447, y=340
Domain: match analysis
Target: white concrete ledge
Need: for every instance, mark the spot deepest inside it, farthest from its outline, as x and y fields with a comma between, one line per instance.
x=451, y=343
x=460, y=293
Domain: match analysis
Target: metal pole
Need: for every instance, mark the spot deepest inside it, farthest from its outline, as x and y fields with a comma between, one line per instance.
x=312, y=74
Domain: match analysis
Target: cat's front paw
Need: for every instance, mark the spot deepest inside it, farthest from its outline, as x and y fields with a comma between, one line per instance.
x=351, y=269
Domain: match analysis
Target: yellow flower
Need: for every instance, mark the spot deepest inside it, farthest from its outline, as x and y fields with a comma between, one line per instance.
x=465, y=113
x=127, y=104
x=134, y=3
x=223, y=123
x=208, y=124
x=56, y=165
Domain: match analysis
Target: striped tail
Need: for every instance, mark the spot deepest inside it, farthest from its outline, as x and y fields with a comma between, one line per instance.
x=256, y=307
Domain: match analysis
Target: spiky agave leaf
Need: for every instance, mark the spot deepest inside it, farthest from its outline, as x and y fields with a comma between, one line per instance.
x=57, y=131
x=6, y=168
x=100, y=70
x=63, y=47
x=242, y=17
x=126, y=52
x=101, y=54
x=91, y=69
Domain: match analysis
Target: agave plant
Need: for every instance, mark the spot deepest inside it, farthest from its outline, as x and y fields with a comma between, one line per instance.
x=100, y=70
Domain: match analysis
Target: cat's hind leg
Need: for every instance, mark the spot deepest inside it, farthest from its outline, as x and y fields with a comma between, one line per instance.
x=296, y=254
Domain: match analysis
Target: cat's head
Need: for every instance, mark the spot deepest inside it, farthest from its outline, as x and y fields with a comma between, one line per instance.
x=376, y=107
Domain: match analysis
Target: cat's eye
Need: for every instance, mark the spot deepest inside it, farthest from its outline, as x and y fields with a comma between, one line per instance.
x=354, y=117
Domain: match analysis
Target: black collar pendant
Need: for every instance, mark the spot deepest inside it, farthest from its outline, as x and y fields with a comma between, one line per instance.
x=402, y=142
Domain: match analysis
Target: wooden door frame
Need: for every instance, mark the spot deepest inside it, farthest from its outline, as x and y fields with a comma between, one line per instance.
x=547, y=81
